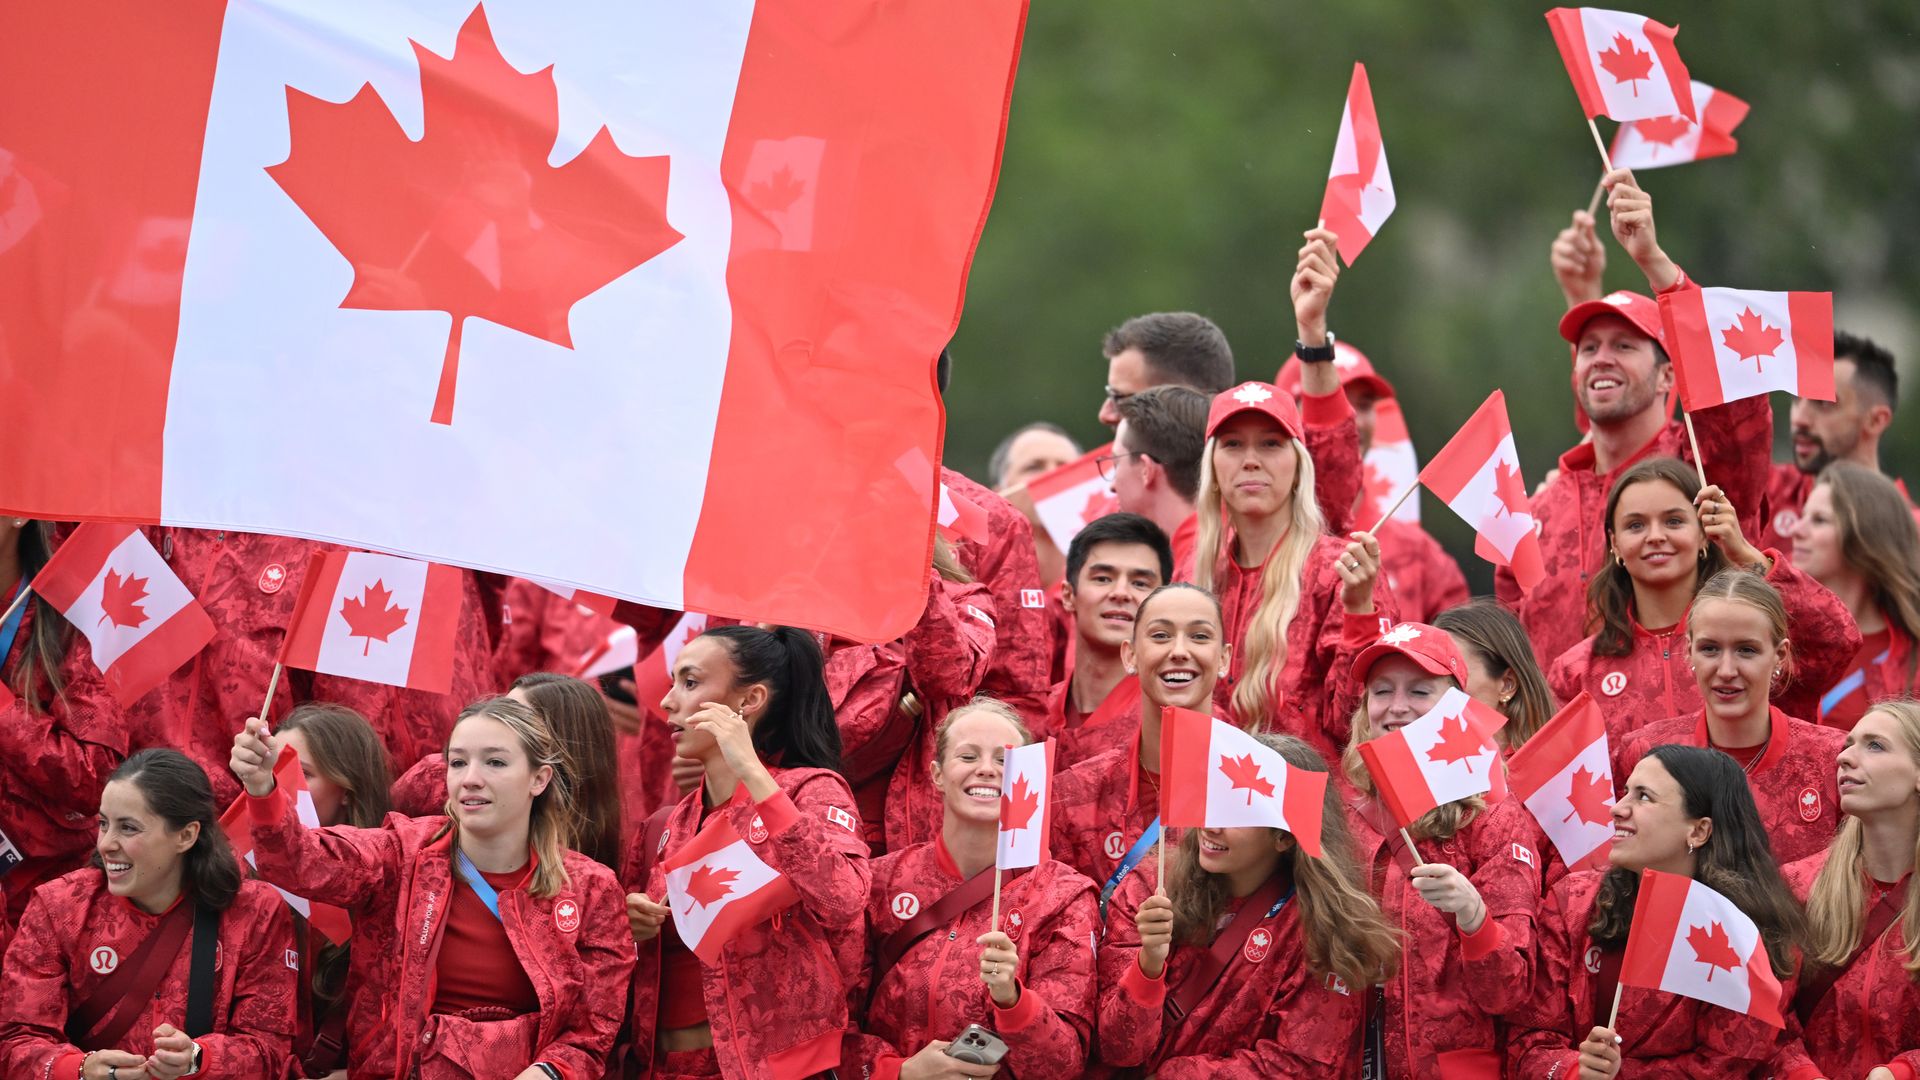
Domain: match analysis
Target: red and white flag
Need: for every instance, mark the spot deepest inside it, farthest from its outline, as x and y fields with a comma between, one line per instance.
x=591, y=601
x=1215, y=776
x=139, y=619
x=718, y=887
x=1359, y=189
x=380, y=618
x=1689, y=940
x=332, y=921
x=446, y=231
x=1026, y=806
x=1390, y=466
x=1675, y=140
x=1729, y=344
x=653, y=675
x=619, y=649
x=1448, y=754
x=1622, y=65
x=1069, y=497
x=960, y=518
x=1565, y=777
x=1477, y=474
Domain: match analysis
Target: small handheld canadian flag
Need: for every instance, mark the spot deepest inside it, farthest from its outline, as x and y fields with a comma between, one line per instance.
x=381, y=618
x=1446, y=755
x=1069, y=497
x=1622, y=65
x=1730, y=344
x=960, y=518
x=717, y=887
x=1214, y=775
x=292, y=783
x=1477, y=474
x=137, y=616
x=1676, y=140
x=1565, y=778
x=1688, y=939
x=1026, y=806
x=653, y=675
x=1390, y=465
x=1359, y=194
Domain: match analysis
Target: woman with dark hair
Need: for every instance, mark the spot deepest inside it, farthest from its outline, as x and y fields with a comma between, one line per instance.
x=158, y=961
x=1502, y=672
x=1686, y=811
x=1286, y=1002
x=512, y=958
x=750, y=705
x=1666, y=535
x=1857, y=537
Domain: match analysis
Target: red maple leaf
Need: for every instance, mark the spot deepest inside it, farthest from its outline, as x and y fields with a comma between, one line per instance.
x=778, y=192
x=373, y=614
x=1244, y=772
x=1509, y=488
x=1100, y=503
x=1663, y=130
x=471, y=220
x=1626, y=63
x=706, y=884
x=1017, y=807
x=1458, y=743
x=1591, y=797
x=120, y=599
x=1712, y=948
x=1750, y=336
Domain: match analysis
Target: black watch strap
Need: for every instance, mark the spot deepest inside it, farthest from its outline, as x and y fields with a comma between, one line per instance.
x=552, y=1073
x=1314, y=354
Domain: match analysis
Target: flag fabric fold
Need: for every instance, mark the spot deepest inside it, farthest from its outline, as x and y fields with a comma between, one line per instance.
x=1689, y=940
x=1359, y=195
x=137, y=616
x=332, y=921
x=1477, y=474
x=1675, y=140
x=960, y=518
x=1026, y=807
x=1729, y=344
x=1447, y=755
x=1564, y=777
x=380, y=618
x=1069, y=497
x=1623, y=65
x=1214, y=775
x=717, y=887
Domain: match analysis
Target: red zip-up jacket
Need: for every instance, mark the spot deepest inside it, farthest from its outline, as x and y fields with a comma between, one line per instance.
x=1793, y=781
x=935, y=990
x=1114, y=720
x=777, y=1001
x=1656, y=680
x=1021, y=669
x=1445, y=998
x=575, y=947
x=1100, y=808
x=540, y=630
x=1663, y=1036
x=949, y=655
x=1871, y=1016
x=76, y=933
x=1737, y=441
x=1266, y=1016
x=1425, y=579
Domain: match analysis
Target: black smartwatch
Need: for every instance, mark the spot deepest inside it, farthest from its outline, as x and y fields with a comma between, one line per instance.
x=1314, y=354
x=548, y=1069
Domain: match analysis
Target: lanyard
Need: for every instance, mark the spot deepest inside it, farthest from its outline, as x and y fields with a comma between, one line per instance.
x=11, y=627
x=1127, y=862
x=482, y=888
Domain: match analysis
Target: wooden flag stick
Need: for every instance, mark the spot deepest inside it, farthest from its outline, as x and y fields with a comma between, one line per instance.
x=1605, y=158
x=1614, y=1016
x=993, y=923
x=272, y=685
x=1391, y=510
x=1408, y=837
x=18, y=599
x=1599, y=192
x=1699, y=464
x=1161, y=881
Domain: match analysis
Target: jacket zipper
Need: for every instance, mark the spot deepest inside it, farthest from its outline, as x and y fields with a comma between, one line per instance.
x=939, y=963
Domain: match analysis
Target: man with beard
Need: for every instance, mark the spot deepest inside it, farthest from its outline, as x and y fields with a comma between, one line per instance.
x=1621, y=380
x=1848, y=428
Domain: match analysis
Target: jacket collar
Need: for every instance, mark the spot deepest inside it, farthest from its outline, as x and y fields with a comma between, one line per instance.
x=1777, y=736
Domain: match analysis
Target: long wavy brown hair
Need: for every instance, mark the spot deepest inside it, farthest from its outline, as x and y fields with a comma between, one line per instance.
x=1610, y=593
x=1837, y=903
x=1495, y=637
x=578, y=716
x=1879, y=540
x=551, y=817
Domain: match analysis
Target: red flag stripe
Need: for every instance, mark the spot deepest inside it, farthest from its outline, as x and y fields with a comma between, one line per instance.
x=438, y=621
x=1397, y=778
x=1812, y=315
x=135, y=672
x=1185, y=739
x=1656, y=926
x=301, y=647
x=1570, y=36
x=1468, y=451
x=1303, y=802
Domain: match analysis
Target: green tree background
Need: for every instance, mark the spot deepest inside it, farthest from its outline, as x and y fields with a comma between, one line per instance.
x=1165, y=156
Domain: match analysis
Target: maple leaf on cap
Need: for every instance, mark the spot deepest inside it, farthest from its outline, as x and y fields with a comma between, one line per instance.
x=372, y=614
x=1751, y=338
x=1712, y=948
x=1457, y=743
x=1626, y=63
x=471, y=220
x=707, y=884
x=1663, y=130
x=1591, y=797
x=1400, y=634
x=1252, y=394
x=1017, y=806
x=1244, y=772
x=120, y=599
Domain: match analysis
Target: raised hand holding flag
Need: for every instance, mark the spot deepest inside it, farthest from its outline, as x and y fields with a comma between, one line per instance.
x=332, y=921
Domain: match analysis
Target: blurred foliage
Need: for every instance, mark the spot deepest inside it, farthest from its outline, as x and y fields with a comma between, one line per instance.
x=1167, y=155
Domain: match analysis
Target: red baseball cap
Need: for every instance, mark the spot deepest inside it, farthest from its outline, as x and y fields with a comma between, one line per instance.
x=1639, y=310
x=1351, y=363
x=1427, y=646
x=1263, y=398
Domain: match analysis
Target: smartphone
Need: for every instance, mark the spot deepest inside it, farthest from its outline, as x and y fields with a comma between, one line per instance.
x=610, y=685
x=977, y=1045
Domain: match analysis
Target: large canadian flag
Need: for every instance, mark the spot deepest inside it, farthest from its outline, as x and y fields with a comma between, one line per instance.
x=376, y=617
x=1730, y=344
x=137, y=616
x=1477, y=474
x=332, y=921
x=1675, y=140
x=1391, y=466
x=718, y=887
x=1215, y=776
x=1359, y=189
x=1071, y=496
x=1026, y=806
x=1688, y=939
x=1565, y=778
x=1448, y=754
x=1622, y=65
x=371, y=273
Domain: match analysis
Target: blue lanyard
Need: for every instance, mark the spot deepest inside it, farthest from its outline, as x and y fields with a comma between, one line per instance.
x=1278, y=904
x=11, y=627
x=1132, y=859
x=481, y=887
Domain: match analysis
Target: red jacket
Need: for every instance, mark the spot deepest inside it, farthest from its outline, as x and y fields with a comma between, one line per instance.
x=1871, y=1016
x=777, y=1001
x=1883, y=668
x=1332, y=436
x=1021, y=669
x=1450, y=987
x=1101, y=806
x=935, y=990
x=540, y=630
x=1663, y=1036
x=1266, y=1016
x=865, y=683
x=1077, y=738
x=1425, y=579
x=1656, y=678
x=575, y=947
x=1793, y=781
x=949, y=655
x=76, y=932
x=1737, y=441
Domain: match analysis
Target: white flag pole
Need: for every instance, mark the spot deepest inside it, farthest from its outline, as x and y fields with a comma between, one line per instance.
x=1605, y=158
x=272, y=685
x=18, y=599
x=1391, y=510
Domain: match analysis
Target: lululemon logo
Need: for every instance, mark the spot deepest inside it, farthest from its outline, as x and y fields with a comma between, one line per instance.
x=1115, y=845
x=103, y=960
x=1615, y=682
x=905, y=906
x=1592, y=959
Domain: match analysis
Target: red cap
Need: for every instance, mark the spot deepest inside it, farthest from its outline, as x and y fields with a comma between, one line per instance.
x=1428, y=646
x=1639, y=310
x=1351, y=363
x=1263, y=398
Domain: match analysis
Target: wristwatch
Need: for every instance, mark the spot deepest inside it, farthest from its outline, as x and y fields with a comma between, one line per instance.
x=1314, y=354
